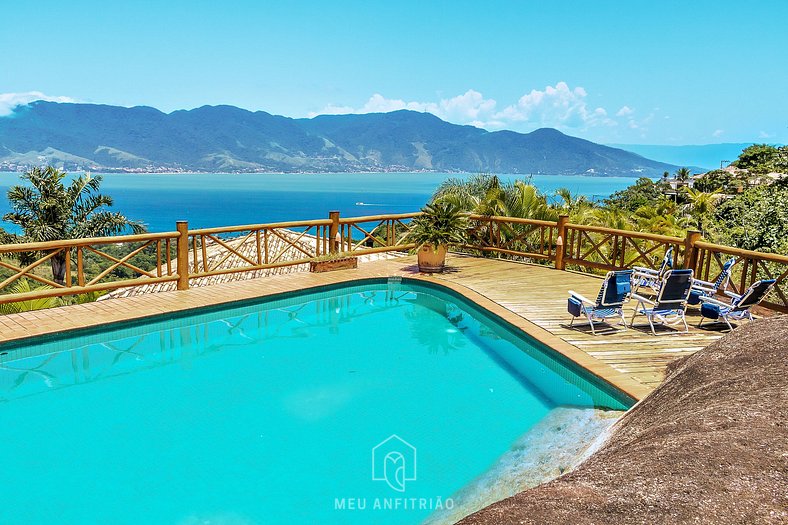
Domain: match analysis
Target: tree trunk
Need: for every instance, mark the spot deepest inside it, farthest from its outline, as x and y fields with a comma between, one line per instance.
x=58, y=263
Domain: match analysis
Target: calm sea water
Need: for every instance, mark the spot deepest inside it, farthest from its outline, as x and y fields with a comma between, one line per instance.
x=230, y=199
x=269, y=413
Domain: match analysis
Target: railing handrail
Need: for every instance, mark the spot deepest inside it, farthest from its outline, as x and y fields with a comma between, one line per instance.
x=373, y=218
x=749, y=254
x=254, y=227
x=667, y=239
x=514, y=220
x=558, y=241
x=84, y=241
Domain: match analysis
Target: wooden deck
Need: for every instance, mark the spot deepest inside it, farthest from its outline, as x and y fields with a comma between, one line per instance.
x=532, y=297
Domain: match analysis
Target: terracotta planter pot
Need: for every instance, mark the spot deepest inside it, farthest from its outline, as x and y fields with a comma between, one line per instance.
x=432, y=259
x=348, y=263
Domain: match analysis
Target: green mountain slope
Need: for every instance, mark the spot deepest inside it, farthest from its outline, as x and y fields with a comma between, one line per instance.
x=226, y=138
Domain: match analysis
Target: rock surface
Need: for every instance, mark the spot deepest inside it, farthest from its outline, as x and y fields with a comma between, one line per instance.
x=709, y=445
x=557, y=444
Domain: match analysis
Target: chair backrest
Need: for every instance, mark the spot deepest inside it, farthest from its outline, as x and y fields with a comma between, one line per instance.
x=667, y=261
x=754, y=294
x=615, y=289
x=725, y=274
x=675, y=289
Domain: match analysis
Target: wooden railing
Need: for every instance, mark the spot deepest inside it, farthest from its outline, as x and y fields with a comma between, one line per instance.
x=607, y=249
x=373, y=233
x=26, y=260
x=201, y=253
x=707, y=261
x=510, y=236
x=256, y=247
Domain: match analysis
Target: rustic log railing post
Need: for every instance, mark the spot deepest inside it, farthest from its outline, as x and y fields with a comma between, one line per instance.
x=560, y=241
x=183, y=255
x=690, y=252
x=333, y=232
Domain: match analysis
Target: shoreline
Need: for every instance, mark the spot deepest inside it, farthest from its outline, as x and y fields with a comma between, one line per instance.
x=330, y=173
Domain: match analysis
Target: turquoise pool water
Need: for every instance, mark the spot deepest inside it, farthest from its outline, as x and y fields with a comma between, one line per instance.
x=268, y=412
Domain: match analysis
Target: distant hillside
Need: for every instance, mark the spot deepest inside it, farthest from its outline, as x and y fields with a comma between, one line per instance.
x=229, y=139
x=707, y=156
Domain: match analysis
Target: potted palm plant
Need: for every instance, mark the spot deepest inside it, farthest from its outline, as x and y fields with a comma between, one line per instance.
x=440, y=225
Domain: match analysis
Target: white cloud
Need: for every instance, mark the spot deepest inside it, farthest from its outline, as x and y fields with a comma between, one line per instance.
x=764, y=135
x=718, y=132
x=468, y=108
x=558, y=106
x=9, y=101
x=625, y=111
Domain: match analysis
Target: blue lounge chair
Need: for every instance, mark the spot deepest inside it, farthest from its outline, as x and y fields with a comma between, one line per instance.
x=740, y=306
x=670, y=304
x=702, y=289
x=615, y=291
x=650, y=278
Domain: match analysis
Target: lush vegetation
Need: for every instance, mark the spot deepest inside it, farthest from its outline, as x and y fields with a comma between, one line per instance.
x=50, y=209
x=442, y=224
x=739, y=207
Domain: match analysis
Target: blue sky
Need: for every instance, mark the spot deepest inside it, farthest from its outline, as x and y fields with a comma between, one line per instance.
x=618, y=72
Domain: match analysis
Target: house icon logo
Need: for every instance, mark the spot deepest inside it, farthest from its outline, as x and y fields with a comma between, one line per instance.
x=394, y=461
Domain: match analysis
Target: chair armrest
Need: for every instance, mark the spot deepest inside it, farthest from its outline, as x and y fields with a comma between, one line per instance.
x=697, y=283
x=642, y=299
x=644, y=271
x=581, y=298
x=704, y=289
x=712, y=300
x=732, y=294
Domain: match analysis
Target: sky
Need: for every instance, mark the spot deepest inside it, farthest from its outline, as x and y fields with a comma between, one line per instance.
x=636, y=72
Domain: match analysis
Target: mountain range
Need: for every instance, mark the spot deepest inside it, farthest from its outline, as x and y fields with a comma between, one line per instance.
x=230, y=139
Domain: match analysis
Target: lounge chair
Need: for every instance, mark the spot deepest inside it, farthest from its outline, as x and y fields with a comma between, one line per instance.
x=740, y=306
x=670, y=305
x=702, y=289
x=610, y=301
x=650, y=278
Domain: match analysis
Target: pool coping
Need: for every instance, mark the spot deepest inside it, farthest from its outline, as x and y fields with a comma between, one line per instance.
x=201, y=298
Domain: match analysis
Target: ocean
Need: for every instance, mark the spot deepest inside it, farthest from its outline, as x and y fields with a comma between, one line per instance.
x=220, y=199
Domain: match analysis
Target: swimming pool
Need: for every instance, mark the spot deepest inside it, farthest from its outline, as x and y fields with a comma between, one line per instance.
x=373, y=402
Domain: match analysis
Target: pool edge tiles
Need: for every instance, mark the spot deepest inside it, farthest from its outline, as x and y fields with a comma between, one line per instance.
x=555, y=359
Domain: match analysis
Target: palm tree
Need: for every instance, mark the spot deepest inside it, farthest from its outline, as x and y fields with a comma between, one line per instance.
x=49, y=209
x=683, y=174
x=662, y=217
x=486, y=194
x=483, y=194
x=526, y=202
x=578, y=207
x=24, y=286
x=700, y=205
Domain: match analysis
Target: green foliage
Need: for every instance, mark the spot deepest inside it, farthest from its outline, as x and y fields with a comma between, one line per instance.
x=24, y=286
x=642, y=193
x=759, y=158
x=699, y=207
x=756, y=219
x=49, y=209
x=441, y=224
x=485, y=194
x=662, y=216
x=683, y=174
x=722, y=180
